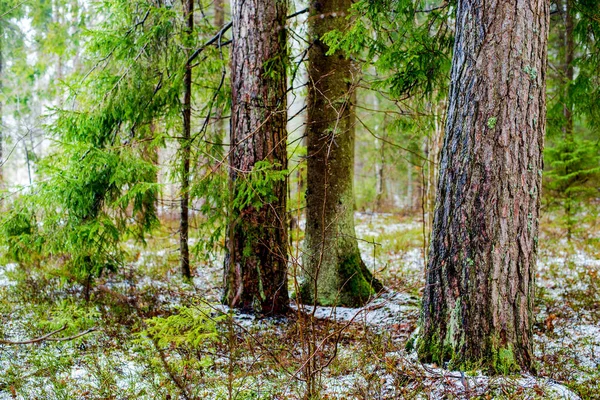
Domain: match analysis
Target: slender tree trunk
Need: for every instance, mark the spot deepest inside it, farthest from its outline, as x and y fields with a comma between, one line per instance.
x=409, y=185
x=1, y=110
x=186, y=151
x=477, y=304
x=256, y=259
x=219, y=16
x=333, y=269
x=219, y=123
x=568, y=72
x=380, y=198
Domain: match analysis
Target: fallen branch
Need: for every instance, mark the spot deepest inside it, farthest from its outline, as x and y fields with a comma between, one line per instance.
x=65, y=339
x=48, y=337
x=36, y=340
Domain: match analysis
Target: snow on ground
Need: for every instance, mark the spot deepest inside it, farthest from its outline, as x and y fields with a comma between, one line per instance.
x=384, y=311
x=577, y=338
x=4, y=280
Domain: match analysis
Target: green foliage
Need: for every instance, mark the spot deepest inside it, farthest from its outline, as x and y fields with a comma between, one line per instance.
x=19, y=232
x=189, y=326
x=409, y=42
x=572, y=154
x=213, y=188
x=255, y=189
x=98, y=187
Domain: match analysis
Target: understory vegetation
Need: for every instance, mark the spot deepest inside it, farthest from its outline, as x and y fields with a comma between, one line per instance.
x=149, y=334
x=293, y=199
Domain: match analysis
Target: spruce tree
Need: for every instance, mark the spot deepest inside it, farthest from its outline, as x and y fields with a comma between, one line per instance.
x=334, y=272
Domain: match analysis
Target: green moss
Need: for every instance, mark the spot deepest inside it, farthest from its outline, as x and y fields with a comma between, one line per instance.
x=349, y=286
x=356, y=289
x=499, y=360
x=453, y=326
x=491, y=122
x=503, y=360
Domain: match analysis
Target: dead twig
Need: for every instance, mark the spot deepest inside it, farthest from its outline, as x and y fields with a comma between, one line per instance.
x=48, y=337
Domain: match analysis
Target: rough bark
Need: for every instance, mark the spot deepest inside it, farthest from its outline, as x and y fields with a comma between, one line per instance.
x=477, y=304
x=333, y=270
x=184, y=256
x=256, y=259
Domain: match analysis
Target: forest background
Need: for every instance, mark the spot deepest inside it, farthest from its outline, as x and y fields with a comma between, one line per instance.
x=115, y=131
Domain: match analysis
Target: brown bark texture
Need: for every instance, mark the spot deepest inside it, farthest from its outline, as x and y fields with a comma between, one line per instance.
x=478, y=300
x=333, y=270
x=256, y=259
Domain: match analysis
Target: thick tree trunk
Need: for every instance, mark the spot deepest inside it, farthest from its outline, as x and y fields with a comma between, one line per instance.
x=256, y=259
x=184, y=257
x=477, y=304
x=334, y=272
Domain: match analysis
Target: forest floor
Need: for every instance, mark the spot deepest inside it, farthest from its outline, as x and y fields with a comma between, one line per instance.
x=144, y=333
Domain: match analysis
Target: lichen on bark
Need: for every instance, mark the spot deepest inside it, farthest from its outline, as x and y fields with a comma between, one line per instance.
x=478, y=299
x=255, y=273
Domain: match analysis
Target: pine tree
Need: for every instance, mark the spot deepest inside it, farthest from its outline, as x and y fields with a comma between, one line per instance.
x=256, y=259
x=478, y=298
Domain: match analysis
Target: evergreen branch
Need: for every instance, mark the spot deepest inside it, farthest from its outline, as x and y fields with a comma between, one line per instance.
x=14, y=8
x=212, y=41
x=222, y=31
x=414, y=153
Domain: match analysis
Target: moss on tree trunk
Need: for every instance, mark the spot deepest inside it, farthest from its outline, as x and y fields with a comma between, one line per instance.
x=256, y=257
x=478, y=300
x=333, y=270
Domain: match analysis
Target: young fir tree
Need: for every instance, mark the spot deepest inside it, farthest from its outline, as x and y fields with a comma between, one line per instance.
x=256, y=259
x=96, y=185
x=334, y=272
x=478, y=299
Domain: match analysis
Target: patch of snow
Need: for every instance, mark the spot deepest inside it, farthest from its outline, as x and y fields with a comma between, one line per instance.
x=4, y=280
x=385, y=310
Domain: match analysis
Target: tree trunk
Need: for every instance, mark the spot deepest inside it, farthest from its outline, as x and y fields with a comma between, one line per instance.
x=477, y=304
x=380, y=190
x=334, y=272
x=256, y=259
x=568, y=72
x=219, y=122
x=188, y=11
x=1, y=110
x=219, y=17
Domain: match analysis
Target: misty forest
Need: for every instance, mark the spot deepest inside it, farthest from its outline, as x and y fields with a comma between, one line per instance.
x=284, y=199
